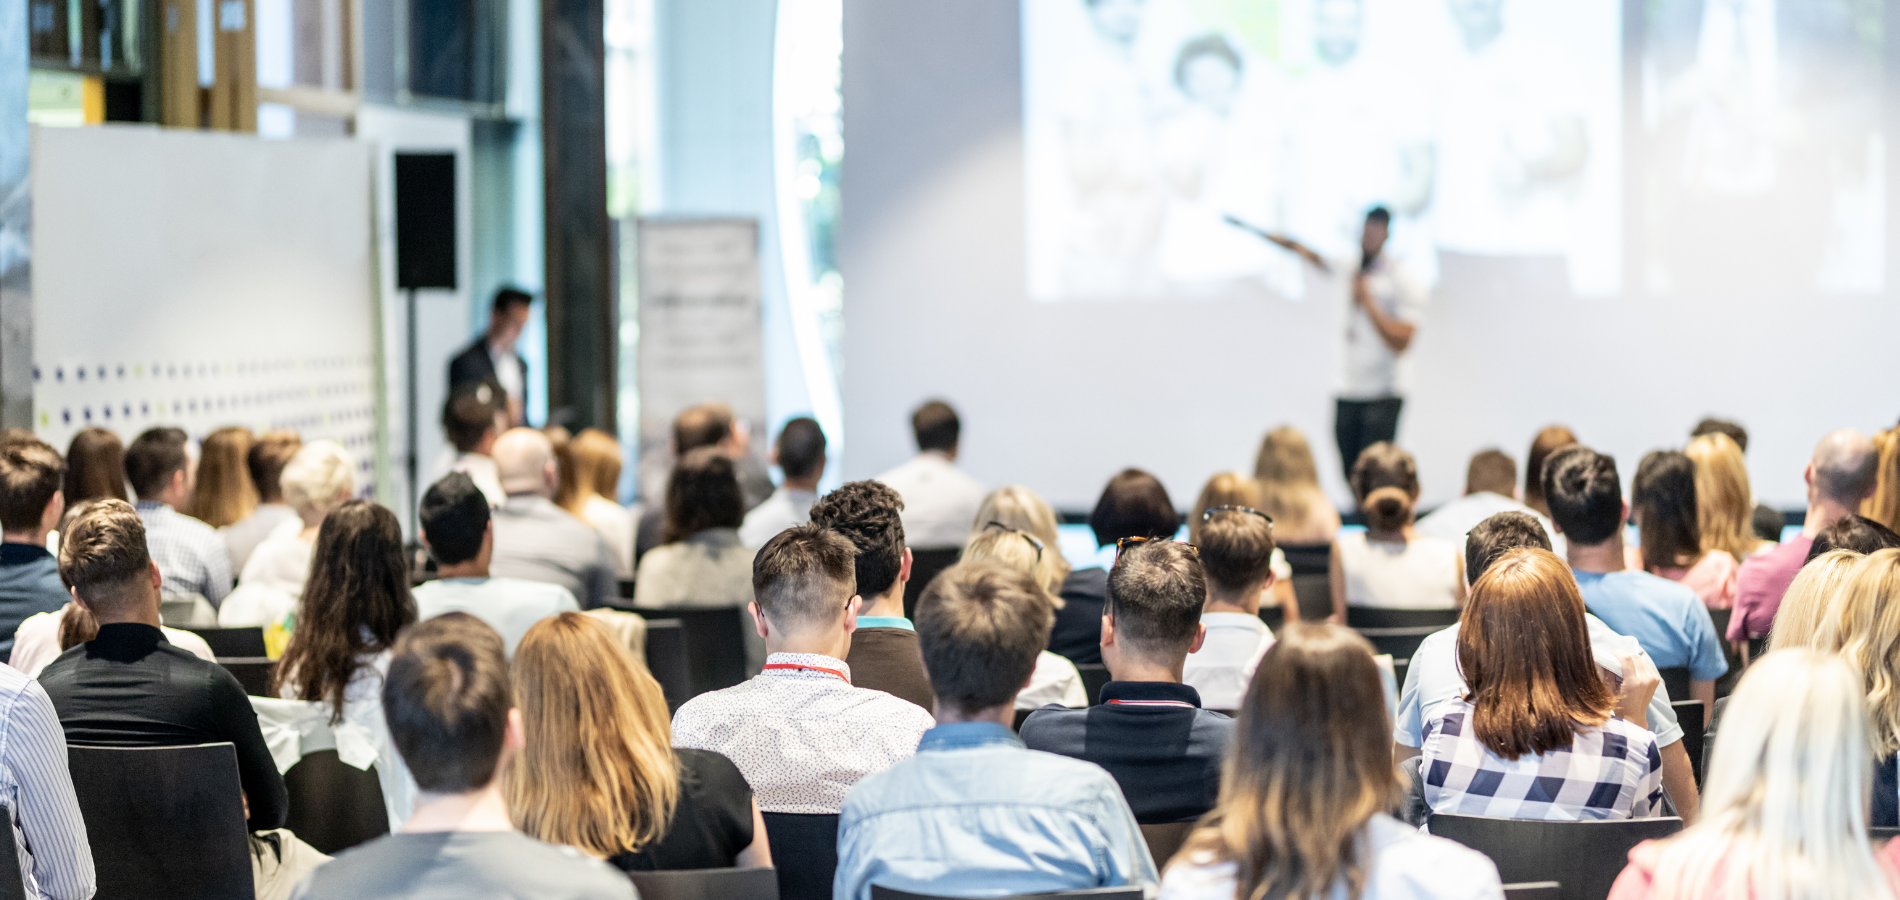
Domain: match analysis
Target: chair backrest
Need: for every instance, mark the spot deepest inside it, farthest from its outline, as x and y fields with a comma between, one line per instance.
x=878, y=892
x=1883, y=834
x=1308, y=559
x=333, y=805
x=924, y=566
x=1315, y=595
x=1689, y=714
x=707, y=884
x=253, y=672
x=1364, y=617
x=1274, y=617
x=1400, y=642
x=805, y=850
x=1094, y=675
x=1583, y=857
x=164, y=821
x=1165, y=840
x=233, y=642
x=186, y=610
x=1676, y=681
x=714, y=645
x=1536, y=890
x=666, y=659
x=12, y=881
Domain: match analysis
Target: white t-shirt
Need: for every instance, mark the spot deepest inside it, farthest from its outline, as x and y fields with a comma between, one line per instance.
x=508, y=372
x=1370, y=370
x=36, y=643
x=1055, y=680
x=509, y=605
x=1406, y=865
x=615, y=524
x=1222, y=667
x=1453, y=520
x=1421, y=573
x=940, y=501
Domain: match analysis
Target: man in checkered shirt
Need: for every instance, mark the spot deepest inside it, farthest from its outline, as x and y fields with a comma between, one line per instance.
x=189, y=553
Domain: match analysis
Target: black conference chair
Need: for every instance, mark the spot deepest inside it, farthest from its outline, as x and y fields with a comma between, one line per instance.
x=1165, y=840
x=1883, y=834
x=1308, y=559
x=1689, y=714
x=12, y=881
x=805, y=850
x=1094, y=675
x=1725, y=684
x=1676, y=681
x=1315, y=595
x=623, y=588
x=666, y=660
x=879, y=892
x=164, y=821
x=714, y=645
x=1274, y=617
x=1365, y=617
x=1536, y=890
x=232, y=642
x=1583, y=857
x=707, y=884
x=333, y=805
x=924, y=566
x=253, y=672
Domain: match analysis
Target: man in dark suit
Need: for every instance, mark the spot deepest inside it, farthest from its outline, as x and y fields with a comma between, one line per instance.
x=492, y=358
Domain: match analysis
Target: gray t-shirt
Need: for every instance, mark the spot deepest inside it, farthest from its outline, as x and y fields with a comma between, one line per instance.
x=451, y=865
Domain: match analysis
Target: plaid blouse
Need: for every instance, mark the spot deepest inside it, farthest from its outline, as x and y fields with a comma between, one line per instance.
x=1608, y=772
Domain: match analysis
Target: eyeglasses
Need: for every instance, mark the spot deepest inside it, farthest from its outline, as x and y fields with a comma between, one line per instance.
x=1128, y=542
x=1209, y=515
x=1033, y=542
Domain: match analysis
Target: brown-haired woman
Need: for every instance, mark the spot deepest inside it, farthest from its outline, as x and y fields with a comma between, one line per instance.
x=599, y=771
x=1390, y=565
x=1663, y=503
x=1304, y=795
x=1537, y=733
x=1290, y=491
x=95, y=467
x=589, y=482
x=703, y=563
x=222, y=493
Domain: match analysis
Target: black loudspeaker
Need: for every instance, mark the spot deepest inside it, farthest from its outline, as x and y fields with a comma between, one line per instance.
x=425, y=220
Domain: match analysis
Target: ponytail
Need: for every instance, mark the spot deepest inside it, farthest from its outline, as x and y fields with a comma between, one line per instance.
x=76, y=627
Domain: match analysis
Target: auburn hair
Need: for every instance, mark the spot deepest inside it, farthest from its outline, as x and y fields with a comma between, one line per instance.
x=1525, y=651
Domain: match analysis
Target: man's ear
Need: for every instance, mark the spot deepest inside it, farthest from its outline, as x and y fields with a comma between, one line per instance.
x=1200, y=637
x=851, y=609
x=903, y=571
x=758, y=619
x=158, y=578
x=1108, y=629
x=56, y=507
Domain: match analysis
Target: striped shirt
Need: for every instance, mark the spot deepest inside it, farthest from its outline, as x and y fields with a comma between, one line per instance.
x=189, y=553
x=37, y=787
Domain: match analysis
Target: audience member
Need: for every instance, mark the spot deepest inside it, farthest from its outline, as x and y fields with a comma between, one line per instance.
x=973, y=811
x=800, y=455
x=1390, y=565
x=799, y=731
x=939, y=499
x=1236, y=552
x=1305, y=796
x=187, y=551
x=1490, y=488
x=1017, y=507
x=1786, y=801
x=596, y=460
x=319, y=479
x=492, y=359
x=1857, y=533
x=538, y=541
x=128, y=686
x=36, y=786
x=459, y=534
x=1290, y=491
x=1883, y=505
x=706, y=425
x=222, y=493
x=1807, y=617
x=30, y=506
x=598, y=771
x=1055, y=679
x=702, y=564
x=1725, y=504
x=1668, y=619
x=349, y=615
x=1839, y=477
x=1538, y=735
x=95, y=467
x=264, y=462
x=1765, y=521
x=1231, y=489
x=884, y=654
x=1434, y=676
x=451, y=713
x=474, y=418
x=1150, y=731
x=1862, y=626
x=44, y=636
x=1664, y=508
x=1548, y=441
x=1134, y=504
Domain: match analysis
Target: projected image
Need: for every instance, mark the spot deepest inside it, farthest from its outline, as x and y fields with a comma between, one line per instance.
x=1487, y=128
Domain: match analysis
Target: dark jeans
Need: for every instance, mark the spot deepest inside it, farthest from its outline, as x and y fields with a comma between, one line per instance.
x=1358, y=424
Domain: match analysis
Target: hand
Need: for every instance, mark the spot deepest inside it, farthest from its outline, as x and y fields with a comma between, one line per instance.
x=1361, y=292
x=1640, y=680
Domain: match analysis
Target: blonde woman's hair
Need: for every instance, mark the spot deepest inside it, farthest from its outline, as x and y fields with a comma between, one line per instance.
x=1884, y=505
x=1806, y=615
x=1784, y=808
x=320, y=477
x=598, y=772
x=1013, y=550
x=1225, y=489
x=1289, y=481
x=593, y=468
x=1024, y=510
x=1868, y=618
x=223, y=494
x=1724, y=502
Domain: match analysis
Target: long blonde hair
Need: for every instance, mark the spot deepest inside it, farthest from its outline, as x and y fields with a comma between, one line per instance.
x=1884, y=505
x=1806, y=615
x=1024, y=510
x=1724, y=502
x=1784, y=809
x=1289, y=481
x=1310, y=763
x=593, y=468
x=1011, y=549
x=223, y=494
x=598, y=772
x=1867, y=615
x=1225, y=489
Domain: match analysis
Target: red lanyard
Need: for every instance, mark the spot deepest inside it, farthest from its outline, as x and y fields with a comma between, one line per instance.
x=841, y=677
x=1180, y=703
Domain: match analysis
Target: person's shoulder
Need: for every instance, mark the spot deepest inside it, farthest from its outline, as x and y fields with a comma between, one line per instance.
x=1198, y=877
x=1047, y=727
x=1066, y=778
x=1410, y=863
x=894, y=711
x=1636, y=735
x=708, y=767
x=523, y=589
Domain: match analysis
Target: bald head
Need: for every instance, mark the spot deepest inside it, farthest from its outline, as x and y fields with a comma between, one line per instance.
x=524, y=458
x=1843, y=467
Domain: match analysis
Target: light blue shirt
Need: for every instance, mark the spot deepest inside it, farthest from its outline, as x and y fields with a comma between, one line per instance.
x=885, y=622
x=975, y=814
x=1667, y=618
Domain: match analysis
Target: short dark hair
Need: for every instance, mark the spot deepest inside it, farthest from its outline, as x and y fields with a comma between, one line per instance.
x=102, y=551
x=1853, y=532
x=1491, y=470
x=867, y=513
x=804, y=575
x=506, y=297
x=801, y=447
x=454, y=515
x=1236, y=550
x=31, y=472
x=1156, y=592
x=1134, y=504
x=1380, y=215
x=152, y=459
x=935, y=426
x=1489, y=540
x=981, y=626
x=266, y=459
x=704, y=425
x=1736, y=433
x=446, y=698
x=1585, y=494
x=702, y=493
x=470, y=413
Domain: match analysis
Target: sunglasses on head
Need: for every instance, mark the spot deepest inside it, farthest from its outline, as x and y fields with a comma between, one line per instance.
x=1209, y=515
x=1128, y=542
x=1033, y=541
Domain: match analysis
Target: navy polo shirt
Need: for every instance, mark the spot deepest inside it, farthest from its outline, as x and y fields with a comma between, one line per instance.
x=1155, y=739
